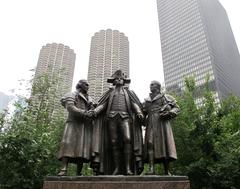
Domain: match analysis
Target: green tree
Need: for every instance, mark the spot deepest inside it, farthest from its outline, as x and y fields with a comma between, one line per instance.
x=183, y=125
x=29, y=141
x=207, y=139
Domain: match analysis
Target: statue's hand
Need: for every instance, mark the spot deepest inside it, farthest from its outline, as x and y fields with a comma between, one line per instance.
x=88, y=115
x=168, y=115
x=172, y=114
x=165, y=115
x=93, y=113
x=140, y=116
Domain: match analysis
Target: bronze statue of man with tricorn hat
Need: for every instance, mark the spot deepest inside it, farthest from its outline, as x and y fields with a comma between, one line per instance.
x=117, y=142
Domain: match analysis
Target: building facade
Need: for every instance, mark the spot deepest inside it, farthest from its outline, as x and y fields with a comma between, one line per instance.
x=197, y=40
x=109, y=52
x=55, y=67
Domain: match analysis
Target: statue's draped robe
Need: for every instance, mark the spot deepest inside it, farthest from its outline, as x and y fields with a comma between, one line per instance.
x=77, y=137
x=101, y=146
x=163, y=141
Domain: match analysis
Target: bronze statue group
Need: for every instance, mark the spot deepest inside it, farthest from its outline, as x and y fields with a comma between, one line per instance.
x=108, y=135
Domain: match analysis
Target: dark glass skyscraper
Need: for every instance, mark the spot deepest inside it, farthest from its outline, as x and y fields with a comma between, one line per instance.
x=197, y=40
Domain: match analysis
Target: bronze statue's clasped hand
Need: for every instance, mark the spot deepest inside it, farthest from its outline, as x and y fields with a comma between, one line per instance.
x=88, y=115
x=93, y=113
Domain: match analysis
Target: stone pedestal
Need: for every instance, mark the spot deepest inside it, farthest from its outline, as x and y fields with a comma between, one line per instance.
x=117, y=182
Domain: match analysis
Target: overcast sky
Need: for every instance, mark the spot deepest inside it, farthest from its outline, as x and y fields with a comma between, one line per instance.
x=27, y=25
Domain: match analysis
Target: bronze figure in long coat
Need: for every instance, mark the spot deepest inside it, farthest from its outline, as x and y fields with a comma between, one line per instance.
x=77, y=137
x=117, y=143
x=160, y=147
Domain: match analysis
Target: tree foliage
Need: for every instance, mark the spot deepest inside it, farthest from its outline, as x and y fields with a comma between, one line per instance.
x=29, y=141
x=207, y=139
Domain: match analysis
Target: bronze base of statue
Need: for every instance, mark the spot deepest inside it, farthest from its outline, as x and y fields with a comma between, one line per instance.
x=117, y=182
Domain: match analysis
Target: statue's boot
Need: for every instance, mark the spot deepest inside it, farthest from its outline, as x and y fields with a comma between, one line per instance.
x=128, y=156
x=116, y=161
x=166, y=167
x=139, y=167
x=79, y=169
x=151, y=170
x=95, y=167
x=63, y=170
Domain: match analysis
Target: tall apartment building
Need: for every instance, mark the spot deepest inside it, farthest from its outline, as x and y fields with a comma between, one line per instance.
x=56, y=64
x=109, y=52
x=197, y=40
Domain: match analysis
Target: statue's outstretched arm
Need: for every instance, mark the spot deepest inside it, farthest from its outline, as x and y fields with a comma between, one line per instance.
x=74, y=110
x=100, y=108
x=138, y=111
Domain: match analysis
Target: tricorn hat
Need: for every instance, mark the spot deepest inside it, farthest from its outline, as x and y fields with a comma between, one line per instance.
x=119, y=74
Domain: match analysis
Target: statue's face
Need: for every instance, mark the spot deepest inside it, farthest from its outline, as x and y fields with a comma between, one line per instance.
x=154, y=87
x=85, y=86
x=118, y=81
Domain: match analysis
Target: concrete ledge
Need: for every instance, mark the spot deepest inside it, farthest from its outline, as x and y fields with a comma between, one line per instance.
x=117, y=182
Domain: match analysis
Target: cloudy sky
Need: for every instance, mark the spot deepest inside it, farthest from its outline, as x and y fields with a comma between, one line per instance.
x=27, y=25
